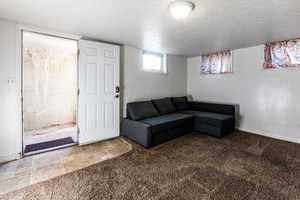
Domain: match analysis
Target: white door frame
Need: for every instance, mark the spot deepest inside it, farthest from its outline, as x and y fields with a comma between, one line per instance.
x=19, y=73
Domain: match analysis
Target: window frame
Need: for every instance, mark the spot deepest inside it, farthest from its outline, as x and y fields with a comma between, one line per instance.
x=163, y=59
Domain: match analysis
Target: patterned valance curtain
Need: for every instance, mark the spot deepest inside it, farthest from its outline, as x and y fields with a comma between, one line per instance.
x=217, y=63
x=282, y=54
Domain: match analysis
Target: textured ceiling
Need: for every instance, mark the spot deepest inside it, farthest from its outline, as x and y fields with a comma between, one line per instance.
x=213, y=26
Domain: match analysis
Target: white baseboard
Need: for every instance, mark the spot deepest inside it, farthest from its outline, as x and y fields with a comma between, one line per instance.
x=8, y=158
x=271, y=135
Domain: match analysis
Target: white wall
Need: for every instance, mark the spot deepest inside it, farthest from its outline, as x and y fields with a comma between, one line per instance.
x=268, y=99
x=139, y=85
x=10, y=102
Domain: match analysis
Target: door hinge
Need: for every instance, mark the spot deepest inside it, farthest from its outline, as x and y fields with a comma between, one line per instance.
x=78, y=92
x=78, y=52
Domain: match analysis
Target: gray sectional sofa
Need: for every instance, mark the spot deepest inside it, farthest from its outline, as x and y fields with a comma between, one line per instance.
x=150, y=123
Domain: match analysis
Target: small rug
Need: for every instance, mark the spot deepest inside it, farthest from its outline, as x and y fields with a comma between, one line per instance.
x=47, y=145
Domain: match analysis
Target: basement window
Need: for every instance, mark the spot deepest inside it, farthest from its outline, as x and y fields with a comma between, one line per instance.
x=153, y=62
x=282, y=54
x=217, y=63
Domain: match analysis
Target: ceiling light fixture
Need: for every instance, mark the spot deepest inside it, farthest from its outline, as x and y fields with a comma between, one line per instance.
x=181, y=9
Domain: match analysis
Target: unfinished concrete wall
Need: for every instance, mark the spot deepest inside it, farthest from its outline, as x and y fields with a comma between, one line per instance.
x=50, y=81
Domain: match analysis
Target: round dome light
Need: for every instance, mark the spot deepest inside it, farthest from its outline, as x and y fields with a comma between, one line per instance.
x=181, y=9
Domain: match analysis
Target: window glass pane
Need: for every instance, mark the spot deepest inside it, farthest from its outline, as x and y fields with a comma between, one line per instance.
x=152, y=62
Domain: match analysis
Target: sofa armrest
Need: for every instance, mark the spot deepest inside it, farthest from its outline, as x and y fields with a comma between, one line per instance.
x=137, y=131
x=228, y=109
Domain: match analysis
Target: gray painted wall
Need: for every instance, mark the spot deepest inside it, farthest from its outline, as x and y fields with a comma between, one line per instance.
x=268, y=99
x=139, y=85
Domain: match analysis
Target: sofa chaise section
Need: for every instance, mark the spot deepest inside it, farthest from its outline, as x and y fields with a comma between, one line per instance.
x=214, y=124
x=212, y=118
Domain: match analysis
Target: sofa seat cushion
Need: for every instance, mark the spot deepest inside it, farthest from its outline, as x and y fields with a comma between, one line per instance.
x=169, y=121
x=213, y=119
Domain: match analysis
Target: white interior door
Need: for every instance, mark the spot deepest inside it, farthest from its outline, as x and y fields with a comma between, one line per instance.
x=99, y=102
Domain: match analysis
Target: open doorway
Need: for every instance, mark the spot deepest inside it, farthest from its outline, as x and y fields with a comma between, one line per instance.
x=49, y=92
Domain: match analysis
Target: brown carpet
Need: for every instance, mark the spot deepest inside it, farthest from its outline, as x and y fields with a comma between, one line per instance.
x=240, y=166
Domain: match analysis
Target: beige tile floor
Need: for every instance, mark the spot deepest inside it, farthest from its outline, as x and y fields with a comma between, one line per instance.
x=41, y=167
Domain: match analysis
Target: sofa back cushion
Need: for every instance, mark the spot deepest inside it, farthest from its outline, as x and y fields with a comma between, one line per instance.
x=141, y=110
x=214, y=108
x=164, y=106
x=181, y=103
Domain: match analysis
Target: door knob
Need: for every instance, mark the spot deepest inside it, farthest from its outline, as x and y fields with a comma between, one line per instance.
x=117, y=96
